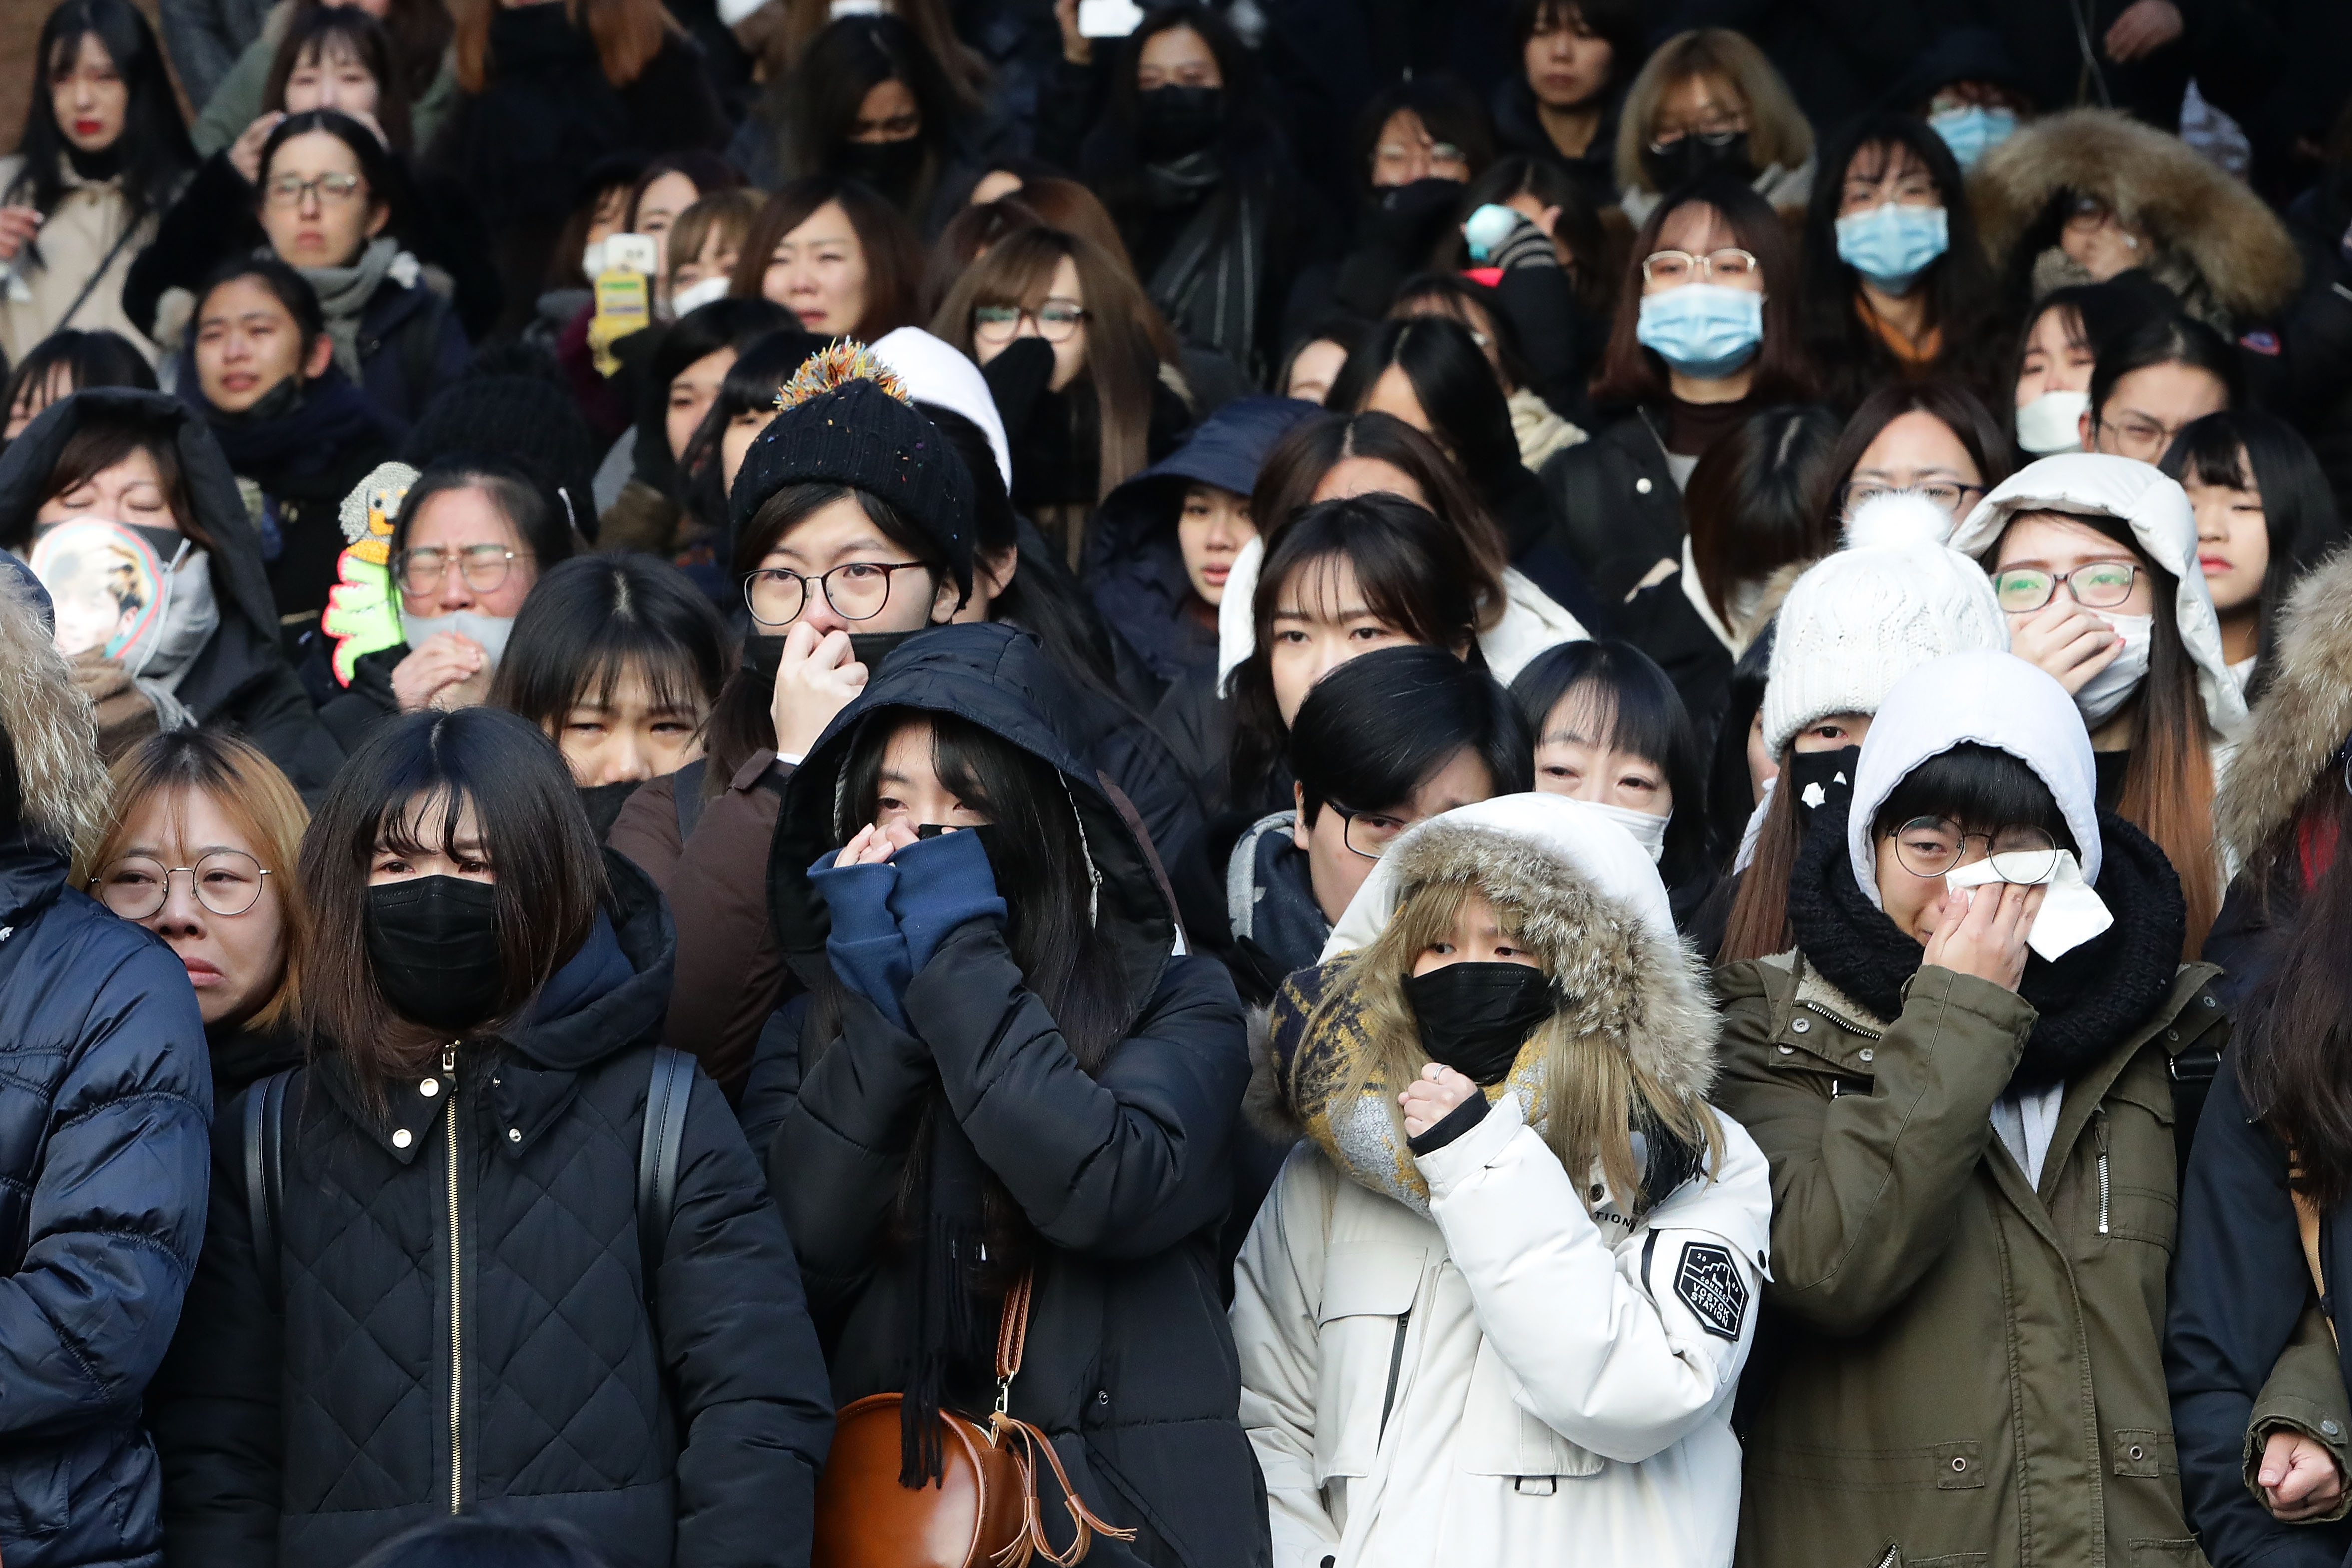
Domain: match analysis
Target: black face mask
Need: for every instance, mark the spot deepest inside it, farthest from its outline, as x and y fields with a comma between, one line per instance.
x=603, y=803
x=1678, y=162
x=1171, y=121
x=274, y=404
x=889, y=167
x=1474, y=1017
x=763, y=654
x=434, y=944
x=1820, y=778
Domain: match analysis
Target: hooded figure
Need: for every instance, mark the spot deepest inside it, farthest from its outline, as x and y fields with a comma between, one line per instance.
x=103, y=1195
x=235, y=675
x=1466, y=1343
x=1136, y=564
x=1091, y=1145
x=1973, y=1149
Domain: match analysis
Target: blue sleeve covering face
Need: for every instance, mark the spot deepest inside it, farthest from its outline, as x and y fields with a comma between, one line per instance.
x=943, y=881
x=888, y=919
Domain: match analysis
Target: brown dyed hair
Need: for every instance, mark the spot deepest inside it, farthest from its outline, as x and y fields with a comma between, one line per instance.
x=1758, y=925
x=257, y=797
x=780, y=44
x=894, y=256
x=627, y=33
x=329, y=32
x=1777, y=130
x=1630, y=374
x=1040, y=202
x=407, y=789
x=1122, y=359
x=726, y=214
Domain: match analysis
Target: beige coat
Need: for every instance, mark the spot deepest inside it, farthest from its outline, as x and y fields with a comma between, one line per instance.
x=72, y=244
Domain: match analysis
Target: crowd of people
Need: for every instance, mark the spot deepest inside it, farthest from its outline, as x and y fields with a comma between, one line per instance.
x=1308, y=783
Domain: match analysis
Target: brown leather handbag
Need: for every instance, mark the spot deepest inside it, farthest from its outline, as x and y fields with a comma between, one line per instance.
x=983, y=1512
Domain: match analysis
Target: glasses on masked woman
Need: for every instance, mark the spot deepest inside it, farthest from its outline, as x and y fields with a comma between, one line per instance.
x=1056, y=322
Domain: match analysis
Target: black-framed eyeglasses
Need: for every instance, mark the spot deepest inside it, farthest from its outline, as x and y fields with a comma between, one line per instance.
x=1370, y=833
x=1948, y=494
x=484, y=566
x=1056, y=322
x=857, y=589
x=2100, y=585
x=226, y=882
x=1931, y=846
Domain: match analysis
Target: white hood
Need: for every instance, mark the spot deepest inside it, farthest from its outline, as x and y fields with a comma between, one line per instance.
x=935, y=372
x=2155, y=508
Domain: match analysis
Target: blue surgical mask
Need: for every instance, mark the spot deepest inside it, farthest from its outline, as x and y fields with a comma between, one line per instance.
x=1893, y=244
x=1971, y=132
x=1703, y=329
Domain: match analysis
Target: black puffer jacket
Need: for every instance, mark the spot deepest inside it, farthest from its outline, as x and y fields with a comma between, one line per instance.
x=1125, y=1176
x=101, y=1145
x=240, y=680
x=305, y=1429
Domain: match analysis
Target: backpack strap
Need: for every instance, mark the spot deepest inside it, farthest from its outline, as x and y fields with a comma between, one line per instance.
x=665, y=1132
x=264, y=1175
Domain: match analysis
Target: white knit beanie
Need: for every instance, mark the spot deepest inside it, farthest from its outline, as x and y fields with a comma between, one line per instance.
x=1859, y=621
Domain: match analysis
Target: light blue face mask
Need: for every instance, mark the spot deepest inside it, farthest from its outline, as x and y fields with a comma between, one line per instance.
x=1893, y=244
x=1971, y=131
x=1703, y=329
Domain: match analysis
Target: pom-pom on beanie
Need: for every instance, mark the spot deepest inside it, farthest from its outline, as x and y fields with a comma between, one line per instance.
x=1859, y=621
x=844, y=419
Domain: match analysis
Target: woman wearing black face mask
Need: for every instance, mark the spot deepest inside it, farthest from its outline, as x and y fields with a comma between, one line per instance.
x=1170, y=132
x=460, y=1169
x=1709, y=99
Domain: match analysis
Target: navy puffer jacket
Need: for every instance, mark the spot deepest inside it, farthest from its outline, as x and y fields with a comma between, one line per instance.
x=104, y=1094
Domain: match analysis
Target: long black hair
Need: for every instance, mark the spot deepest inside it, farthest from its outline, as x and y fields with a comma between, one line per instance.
x=154, y=152
x=596, y=619
x=1457, y=390
x=1754, y=502
x=2299, y=504
x=849, y=59
x=2169, y=340
x=702, y=331
x=1962, y=298
x=1634, y=705
x=1372, y=731
x=1248, y=148
x=89, y=358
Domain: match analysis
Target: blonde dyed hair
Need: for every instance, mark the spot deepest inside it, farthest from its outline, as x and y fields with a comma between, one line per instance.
x=1777, y=131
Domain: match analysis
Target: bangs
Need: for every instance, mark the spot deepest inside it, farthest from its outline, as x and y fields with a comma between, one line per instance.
x=1982, y=789
x=1019, y=269
x=429, y=826
x=2212, y=453
x=674, y=682
x=1313, y=589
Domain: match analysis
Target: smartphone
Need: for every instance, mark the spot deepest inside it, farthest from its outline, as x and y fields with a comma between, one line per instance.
x=1108, y=18
x=632, y=252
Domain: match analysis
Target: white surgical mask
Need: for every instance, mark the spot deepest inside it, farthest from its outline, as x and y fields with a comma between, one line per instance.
x=2113, y=686
x=686, y=300
x=592, y=259
x=2052, y=423
x=490, y=632
x=1649, y=829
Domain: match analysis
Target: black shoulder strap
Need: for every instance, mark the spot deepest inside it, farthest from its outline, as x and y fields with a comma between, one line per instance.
x=685, y=794
x=664, y=1131
x=265, y=1178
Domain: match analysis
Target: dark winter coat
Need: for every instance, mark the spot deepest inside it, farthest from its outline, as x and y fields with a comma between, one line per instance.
x=501, y=1271
x=1135, y=565
x=240, y=679
x=103, y=1125
x=1615, y=502
x=1124, y=1176
x=1518, y=129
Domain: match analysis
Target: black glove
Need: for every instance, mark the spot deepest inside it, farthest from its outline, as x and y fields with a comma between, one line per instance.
x=1017, y=378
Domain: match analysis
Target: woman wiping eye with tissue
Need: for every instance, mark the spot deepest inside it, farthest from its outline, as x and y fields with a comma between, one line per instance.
x=1962, y=1077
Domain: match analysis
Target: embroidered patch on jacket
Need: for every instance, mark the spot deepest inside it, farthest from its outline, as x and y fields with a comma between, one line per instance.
x=1707, y=1281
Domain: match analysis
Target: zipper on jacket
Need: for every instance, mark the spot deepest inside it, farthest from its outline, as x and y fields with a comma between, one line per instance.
x=1396, y=1368
x=2101, y=1116
x=1893, y=1557
x=457, y=1296
x=1843, y=1021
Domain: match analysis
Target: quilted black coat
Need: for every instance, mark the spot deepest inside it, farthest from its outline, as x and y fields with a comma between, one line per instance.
x=1125, y=1176
x=104, y=1090
x=463, y=1327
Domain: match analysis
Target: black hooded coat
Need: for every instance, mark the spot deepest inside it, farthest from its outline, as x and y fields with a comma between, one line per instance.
x=1124, y=1177
x=239, y=680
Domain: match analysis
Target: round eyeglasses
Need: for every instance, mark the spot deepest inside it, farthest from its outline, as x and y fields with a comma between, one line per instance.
x=1056, y=322
x=226, y=882
x=1931, y=846
x=484, y=566
x=858, y=591
x=2100, y=585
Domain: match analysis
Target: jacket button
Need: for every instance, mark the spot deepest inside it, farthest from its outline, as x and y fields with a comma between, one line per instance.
x=402, y=1138
x=1959, y=1465
x=2329, y=1429
x=2211, y=1003
x=1801, y=1025
x=429, y=1087
x=1642, y=485
x=1787, y=1050
x=1102, y=1396
x=1866, y=1054
x=514, y=1134
x=2173, y=1034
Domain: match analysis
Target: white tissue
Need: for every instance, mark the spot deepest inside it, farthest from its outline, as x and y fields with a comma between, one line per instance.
x=2071, y=913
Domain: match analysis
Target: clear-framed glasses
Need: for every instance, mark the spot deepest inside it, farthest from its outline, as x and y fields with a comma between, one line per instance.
x=1949, y=495
x=1370, y=833
x=483, y=567
x=2142, y=438
x=858, y=591
x=1056, y=320
x=226, y=882
x=1673, y=268
x=288, y=190
x=2100, y=585
x=1930, y=846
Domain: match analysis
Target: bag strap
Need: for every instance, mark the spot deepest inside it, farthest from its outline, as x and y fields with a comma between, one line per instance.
x=131, y=226
x=265, y=1177
x=657, y=1147
x=1013, y=1336
x=1011, y=1339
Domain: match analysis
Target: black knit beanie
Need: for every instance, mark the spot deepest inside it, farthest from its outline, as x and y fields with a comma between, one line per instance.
x=844, y=419
x=522, y=420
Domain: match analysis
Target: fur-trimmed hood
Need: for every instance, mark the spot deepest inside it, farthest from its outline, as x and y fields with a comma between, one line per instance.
x=2155, y=182
x=52, y=736
x=2300, y=720
x=1574, y=884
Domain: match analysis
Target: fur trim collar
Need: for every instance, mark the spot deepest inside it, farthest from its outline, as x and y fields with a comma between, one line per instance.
x=2235, y=242
x=50, y=727
x=2301, y=718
